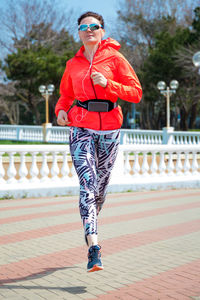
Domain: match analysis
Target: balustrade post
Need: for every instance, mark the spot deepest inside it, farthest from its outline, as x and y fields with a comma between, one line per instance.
x=65, y=168
x=118, y=168
x=2, y=171
x=54, y=169
x=23, y=169
x=122, y=138
x=145, y=165
x=34, y=168
x=167, y=135
x=186, y=166
x=179, y=166
x=73, y=172
x=44, y=171
x=127, y=167
x=170, y=165
x=11, y=169
x=162, y=165
x=195, y=165
x=154, y=165
x=136, y=165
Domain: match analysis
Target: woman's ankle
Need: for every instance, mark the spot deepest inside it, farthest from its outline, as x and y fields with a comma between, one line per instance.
x=92, y=240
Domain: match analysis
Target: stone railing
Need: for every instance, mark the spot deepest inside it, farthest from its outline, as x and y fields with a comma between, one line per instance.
x=57, y=134
x=46, y=170
x=53, y=134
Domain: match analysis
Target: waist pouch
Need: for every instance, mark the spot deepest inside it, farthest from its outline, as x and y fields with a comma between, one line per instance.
x=97, y=105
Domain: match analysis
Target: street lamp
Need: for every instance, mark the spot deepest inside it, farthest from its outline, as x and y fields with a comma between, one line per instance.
x=167, y=92
x=46, y=91
x=196, y=60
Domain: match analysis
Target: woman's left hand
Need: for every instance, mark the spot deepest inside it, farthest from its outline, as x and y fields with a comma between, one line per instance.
x=99, y=79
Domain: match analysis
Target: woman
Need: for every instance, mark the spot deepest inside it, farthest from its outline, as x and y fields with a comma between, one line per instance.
x=96, y=76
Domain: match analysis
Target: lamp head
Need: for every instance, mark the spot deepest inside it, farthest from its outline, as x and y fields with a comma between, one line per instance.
x=161, y=85
x=196, y=59
x=50, y=88
x=174, y=84
x=42, y=89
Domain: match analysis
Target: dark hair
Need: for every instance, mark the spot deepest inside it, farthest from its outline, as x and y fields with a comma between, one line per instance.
x=91, y=14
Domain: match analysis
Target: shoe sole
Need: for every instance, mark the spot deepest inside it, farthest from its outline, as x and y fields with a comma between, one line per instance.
x=95, y=268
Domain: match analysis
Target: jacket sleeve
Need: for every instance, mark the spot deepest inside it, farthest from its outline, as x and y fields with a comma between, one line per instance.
x=127, y=87
x=66, y=91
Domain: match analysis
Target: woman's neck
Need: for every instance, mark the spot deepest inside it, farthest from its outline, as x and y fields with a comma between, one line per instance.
x=90, y=51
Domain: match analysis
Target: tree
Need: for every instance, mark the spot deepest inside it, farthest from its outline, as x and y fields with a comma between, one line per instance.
x=39, y=49
x=155, y=30
x=9, y=109
x=20, y=20
x=190, y=107
x=167, y=61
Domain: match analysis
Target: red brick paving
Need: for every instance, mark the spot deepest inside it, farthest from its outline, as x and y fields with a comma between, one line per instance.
x=50, y=230
x=172, y=284
x=179, y=283
x=22, y=269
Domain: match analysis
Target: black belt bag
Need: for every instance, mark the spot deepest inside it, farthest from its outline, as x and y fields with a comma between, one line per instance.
x=97, y=105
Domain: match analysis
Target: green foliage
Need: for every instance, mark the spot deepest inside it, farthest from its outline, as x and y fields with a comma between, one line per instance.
x=155, y=35
x=38, y=59
x=161, y=64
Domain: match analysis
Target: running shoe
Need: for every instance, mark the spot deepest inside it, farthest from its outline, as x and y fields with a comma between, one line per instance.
x=94, y=259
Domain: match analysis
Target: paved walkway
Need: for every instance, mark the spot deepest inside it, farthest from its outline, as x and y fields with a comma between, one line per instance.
x=150, y=248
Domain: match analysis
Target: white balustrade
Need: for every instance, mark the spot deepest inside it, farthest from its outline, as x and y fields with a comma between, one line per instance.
x=47, y=169
x=57, y=134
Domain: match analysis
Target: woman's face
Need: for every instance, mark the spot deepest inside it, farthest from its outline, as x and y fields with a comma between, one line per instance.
x=89, y=37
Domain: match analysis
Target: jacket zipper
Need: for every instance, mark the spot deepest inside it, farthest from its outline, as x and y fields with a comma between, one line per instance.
x=100, y=122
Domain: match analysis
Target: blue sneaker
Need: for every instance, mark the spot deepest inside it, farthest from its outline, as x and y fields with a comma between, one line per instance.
x=94, y=259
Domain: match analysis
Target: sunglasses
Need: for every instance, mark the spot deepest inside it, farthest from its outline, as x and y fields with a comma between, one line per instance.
x=92, y=27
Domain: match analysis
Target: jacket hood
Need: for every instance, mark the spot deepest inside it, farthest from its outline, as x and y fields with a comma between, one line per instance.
x=109, y=42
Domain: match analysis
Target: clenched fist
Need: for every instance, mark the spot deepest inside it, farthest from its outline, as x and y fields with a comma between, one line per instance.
x=99, y=79
x=62, y=119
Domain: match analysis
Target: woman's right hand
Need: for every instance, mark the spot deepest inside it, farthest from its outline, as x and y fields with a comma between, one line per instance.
x=62, y=119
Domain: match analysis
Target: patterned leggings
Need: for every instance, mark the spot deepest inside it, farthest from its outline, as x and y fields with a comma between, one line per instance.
x=93, y=156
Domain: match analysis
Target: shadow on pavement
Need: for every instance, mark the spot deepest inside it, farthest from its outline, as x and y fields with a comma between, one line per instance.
x=45, y=272
x=75, y=290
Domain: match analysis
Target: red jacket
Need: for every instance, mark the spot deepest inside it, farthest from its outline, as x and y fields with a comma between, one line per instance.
x=77, y=84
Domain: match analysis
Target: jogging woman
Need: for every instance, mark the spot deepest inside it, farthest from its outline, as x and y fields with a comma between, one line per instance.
x=96, y=77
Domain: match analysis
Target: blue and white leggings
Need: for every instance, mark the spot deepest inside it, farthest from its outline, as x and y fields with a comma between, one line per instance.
x=93, y=156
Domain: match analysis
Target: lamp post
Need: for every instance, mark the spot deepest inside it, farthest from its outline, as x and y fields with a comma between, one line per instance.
x=196, y=60
x=167, y=92
x=46, y=91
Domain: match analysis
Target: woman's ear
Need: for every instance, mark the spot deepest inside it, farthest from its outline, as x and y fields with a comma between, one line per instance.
x=102, y=33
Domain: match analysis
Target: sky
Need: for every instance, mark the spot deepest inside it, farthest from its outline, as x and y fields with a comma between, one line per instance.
x=107, y=8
